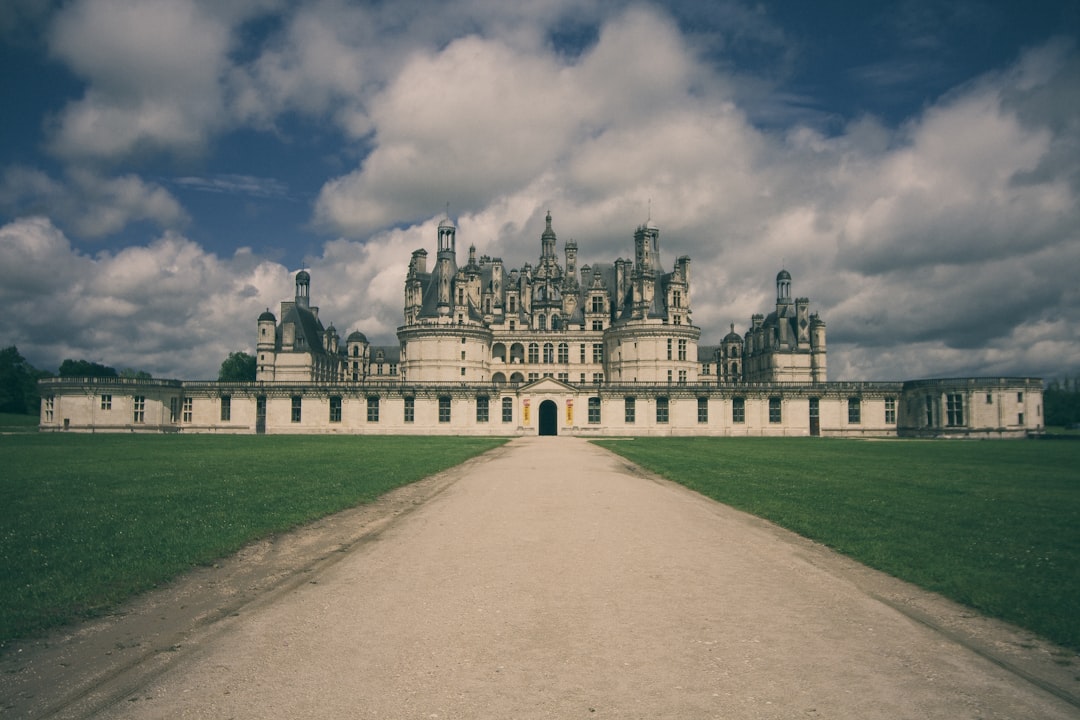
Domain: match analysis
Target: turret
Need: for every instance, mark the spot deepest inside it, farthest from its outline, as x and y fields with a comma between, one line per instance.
x=783, y=288
x=303, y=289
x=265, y=346
x=817, y=352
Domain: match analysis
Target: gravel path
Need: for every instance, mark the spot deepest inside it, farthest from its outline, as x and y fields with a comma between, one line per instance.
x=549, y=579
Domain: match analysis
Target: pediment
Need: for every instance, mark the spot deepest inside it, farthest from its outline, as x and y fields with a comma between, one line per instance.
x=547, y=385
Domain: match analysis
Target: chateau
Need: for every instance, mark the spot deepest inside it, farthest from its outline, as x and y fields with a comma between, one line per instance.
x=602, y=349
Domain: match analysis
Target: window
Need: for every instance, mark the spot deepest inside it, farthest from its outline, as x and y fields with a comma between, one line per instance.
x=563, y=377
x=512, y=304
x=564, y=353
x=444, y=409
x=594, y=410
x=462, y=372
x=534, y=376
x=462, y=357
x=1019, y=397
x=410, y=409
x=174, y=409
x=989, y=398
x=682, y=377
x=549, y=353
x=682, y=349
x=296, y=408
x=226, y=408
x=598, y=352
x=106, y=402
x=669, y=348
x=630, y=413
x=482, y=409
x=534, y=353
x=775, y=414
x=50, y=406
x=890, y=411
x=597, y=303
x=661, y=409
x=373, y=409
x=738, y=410
x=703, y=409
x=854, y=410
x=676, y=299
x=1020, y=419
x=139, y=414
x=187, y=410
x=598, y=378
x=582, y=352
x=597, y=324
x=508, y=409
x=954, y=409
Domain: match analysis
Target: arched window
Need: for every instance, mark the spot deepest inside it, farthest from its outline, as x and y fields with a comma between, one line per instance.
x=534, y=353
x=549, y=353
x=541, y=322
x=564, y=353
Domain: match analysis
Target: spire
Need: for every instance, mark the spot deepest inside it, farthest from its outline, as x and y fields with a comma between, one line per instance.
x=547, y=240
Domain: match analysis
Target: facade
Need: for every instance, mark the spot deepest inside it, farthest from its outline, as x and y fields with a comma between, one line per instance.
x=606, y=349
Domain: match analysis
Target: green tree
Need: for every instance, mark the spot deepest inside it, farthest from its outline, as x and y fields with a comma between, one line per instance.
x=1061, y=401
x=85, y=368
x=135, y=374
x=18, y=383
x=238, y=367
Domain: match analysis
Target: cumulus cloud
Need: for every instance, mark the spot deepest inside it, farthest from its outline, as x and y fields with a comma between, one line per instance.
x=92, y=205
x=153, y=71
x=168, y=307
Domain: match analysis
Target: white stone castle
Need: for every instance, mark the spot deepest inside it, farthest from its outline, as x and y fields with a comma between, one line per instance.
x=607, y=349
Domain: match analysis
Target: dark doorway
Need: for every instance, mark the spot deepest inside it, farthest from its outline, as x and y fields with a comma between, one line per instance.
x=260, y=414
x=549, y=418
x=815, y=422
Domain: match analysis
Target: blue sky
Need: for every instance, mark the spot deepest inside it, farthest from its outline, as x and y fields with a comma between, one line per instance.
x=167, y=165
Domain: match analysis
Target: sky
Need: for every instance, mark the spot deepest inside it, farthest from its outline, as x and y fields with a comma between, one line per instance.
x=166, y=166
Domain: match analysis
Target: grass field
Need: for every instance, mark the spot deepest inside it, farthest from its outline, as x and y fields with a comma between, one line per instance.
x=88, y=520
x=12, y=423
x=993, y=524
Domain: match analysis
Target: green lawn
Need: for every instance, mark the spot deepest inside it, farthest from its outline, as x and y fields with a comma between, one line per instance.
x=992, y=524
x=13, y=423
x=88, y=520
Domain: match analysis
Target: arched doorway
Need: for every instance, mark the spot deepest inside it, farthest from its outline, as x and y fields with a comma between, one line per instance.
x=549, y=414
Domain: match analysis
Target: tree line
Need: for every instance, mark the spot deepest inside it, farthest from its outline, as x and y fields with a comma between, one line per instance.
x=1061, y=402
x=18, y=378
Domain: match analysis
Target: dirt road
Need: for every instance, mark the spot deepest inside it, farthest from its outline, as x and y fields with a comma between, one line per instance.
x=549, y=579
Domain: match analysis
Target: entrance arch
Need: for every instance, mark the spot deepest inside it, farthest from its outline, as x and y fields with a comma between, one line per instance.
x=549, y=418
